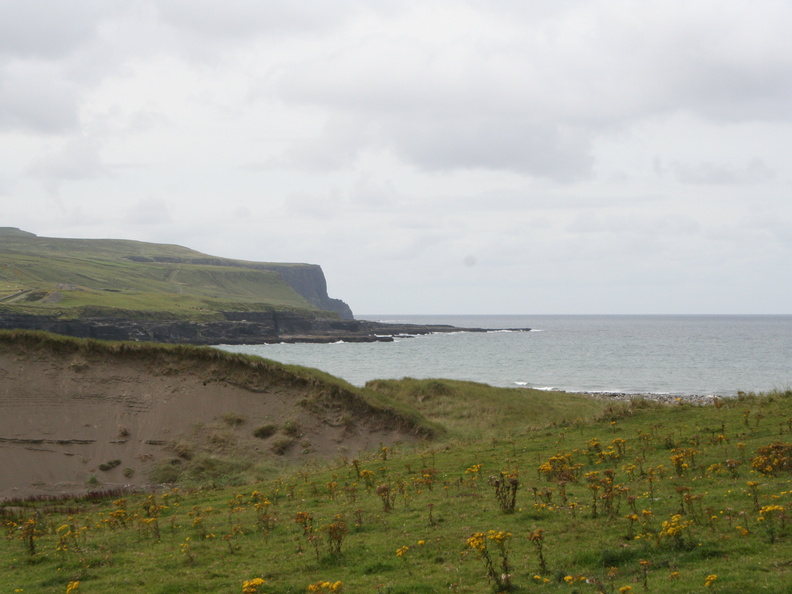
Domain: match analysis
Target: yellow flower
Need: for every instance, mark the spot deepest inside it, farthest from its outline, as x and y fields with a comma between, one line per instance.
x=251, y=586
x=402, y=551
x=710, y=580
x=625, y=589
x=674, y=575
x=569, y=579
x=477, y=541
x=72, y=586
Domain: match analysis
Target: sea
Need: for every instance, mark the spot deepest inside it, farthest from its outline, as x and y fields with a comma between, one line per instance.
x=678, y=355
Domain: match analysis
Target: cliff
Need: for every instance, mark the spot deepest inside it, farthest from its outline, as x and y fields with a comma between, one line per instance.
x=65, y=278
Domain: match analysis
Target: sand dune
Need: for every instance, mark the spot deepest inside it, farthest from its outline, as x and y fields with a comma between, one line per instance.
x=66, y=416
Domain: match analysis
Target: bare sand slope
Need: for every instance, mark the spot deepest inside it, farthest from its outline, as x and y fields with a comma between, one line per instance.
x=65, y=414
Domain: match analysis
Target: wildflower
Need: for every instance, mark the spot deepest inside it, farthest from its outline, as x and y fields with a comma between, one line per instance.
x=72, y=586
x=710, y=580
x=322, y=586
x=498, y=536
x=625, y=589
x=674, y=575
x=477, y=541
x=402, y=551
x=251, y=586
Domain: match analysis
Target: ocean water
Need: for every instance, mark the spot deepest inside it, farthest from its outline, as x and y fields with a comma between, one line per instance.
x=664, y=354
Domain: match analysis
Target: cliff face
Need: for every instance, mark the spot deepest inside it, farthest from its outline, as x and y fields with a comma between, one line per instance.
x=309, y=281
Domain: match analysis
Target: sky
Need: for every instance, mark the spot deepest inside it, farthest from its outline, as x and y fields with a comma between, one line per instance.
x=457, y=157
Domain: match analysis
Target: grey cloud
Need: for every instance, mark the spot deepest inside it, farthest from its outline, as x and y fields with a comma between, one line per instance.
x=372, y=192
x=48, y=28
x=33, y=97
x=338, y=145
x=237, y=19
x=77, y=159
x=706, y=173
x=148, y=212
x=495, y=144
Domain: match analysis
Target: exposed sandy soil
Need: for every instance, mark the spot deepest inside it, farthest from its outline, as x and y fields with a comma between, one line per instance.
x=62, y=415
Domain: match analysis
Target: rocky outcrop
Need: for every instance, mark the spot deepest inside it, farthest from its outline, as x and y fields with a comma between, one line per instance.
x=237, y=328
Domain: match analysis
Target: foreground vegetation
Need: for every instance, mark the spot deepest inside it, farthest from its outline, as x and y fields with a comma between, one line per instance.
x=628, y=497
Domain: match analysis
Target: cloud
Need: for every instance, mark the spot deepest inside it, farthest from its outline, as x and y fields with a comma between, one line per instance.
x=77, y=160
x=497, y=144
x=34, y=97
x=392, y=142
x=755, y=172
x=48, y=28
x=243, y=19
x=148, y=212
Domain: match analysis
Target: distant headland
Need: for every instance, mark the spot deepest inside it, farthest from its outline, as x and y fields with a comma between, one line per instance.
x=115, y=289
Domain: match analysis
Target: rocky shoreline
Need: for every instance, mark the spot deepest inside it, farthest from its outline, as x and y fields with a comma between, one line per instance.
x=237, y=328
x=700, y=399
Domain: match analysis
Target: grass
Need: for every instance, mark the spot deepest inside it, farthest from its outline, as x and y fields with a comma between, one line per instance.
x=608, y=498
x=470, y=410
x=76, y=277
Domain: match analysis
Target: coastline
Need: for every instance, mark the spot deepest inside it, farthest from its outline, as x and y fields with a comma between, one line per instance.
x=669, y=399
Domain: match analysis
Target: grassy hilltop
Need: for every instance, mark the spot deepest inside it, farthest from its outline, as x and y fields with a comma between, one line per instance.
x=517, y=494
x=70, y=278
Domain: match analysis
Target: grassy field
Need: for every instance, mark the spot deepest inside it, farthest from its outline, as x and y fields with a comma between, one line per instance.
x=594, y=497
x=75, y=277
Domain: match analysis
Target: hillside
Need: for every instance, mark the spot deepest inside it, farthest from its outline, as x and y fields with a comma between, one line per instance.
x=74, y=278
x=83, y=414
x=634, y=497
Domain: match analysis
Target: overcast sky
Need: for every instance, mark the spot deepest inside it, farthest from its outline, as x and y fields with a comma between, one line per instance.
x=462, y=156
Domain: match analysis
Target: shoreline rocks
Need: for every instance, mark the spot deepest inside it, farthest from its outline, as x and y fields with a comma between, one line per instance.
x=237, y=328
x=700, y=399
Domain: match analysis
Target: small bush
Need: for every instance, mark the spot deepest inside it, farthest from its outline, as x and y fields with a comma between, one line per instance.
x=266, y=431
x=282, y=445
x=291, y=428
x=233, y=419
x=183, y=450
x=166, y=471
x=109, y=465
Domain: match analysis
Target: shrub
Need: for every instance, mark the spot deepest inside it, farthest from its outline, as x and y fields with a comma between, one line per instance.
x=233, y=419
x=772, y=458
x=282, y=445
x=291, y=428
x=266, y=431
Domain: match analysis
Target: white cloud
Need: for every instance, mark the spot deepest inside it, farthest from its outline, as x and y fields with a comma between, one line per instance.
x=755, y=172
x=587, y=155
x=76, y=160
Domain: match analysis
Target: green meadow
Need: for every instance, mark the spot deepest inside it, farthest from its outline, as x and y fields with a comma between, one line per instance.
x=526, y=491
x=70, y=278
